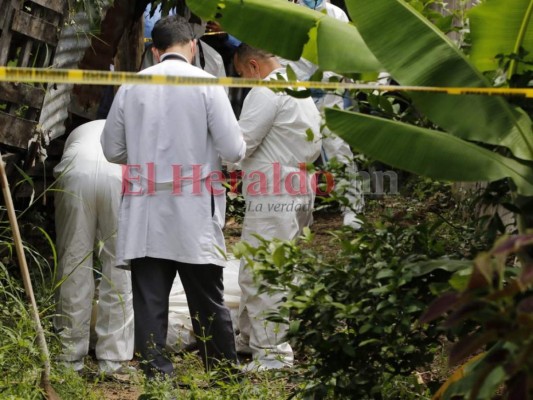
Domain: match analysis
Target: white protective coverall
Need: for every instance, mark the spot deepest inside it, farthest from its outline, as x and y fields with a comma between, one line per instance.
x=332, y=145
x=274, y=126
x=153, y=224
x=86, y=212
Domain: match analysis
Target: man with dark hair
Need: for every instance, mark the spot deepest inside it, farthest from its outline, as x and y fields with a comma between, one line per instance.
x=172, y=139
x=282, y=135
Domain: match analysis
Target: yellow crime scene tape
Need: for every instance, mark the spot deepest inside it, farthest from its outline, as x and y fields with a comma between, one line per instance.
x=89, y=77
x=213, y=33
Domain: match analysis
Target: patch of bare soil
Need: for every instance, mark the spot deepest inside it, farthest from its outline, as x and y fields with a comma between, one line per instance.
x=324, y=222
x=115, y=390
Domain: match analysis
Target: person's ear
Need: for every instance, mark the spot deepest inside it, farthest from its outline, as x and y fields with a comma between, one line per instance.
x=155, y=53
x=254, y=67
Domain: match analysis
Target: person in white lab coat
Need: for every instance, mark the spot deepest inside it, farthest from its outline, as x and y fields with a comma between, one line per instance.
x=278, y=193
x=173, y=208
x=333, y=147
x=211, y=62
x=86, y=208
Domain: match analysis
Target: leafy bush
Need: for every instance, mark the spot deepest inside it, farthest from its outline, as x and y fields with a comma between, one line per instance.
x=354, y=317
x=493, y=312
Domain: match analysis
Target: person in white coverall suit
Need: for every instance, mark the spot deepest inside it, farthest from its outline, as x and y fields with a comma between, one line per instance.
x=332, y=145
x=279, y=204
x=86, y=213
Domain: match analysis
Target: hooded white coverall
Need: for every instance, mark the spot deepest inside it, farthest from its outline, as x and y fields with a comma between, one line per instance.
x=86, y=212
x=332, y=145
x=274, y=126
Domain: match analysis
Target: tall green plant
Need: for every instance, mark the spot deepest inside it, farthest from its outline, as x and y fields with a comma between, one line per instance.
x=416, y=53
x=501, y=28
x=291, y=31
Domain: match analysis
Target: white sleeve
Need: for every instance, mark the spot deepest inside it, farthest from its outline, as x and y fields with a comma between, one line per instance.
x=257, y=117
x=224, y=127
x=113, y=137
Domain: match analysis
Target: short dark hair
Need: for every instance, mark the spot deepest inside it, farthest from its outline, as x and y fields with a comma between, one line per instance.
x=171, y=30
x=244, y=52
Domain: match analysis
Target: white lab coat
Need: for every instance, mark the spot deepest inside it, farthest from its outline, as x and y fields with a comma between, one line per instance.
x=172, y=127
x=86, y=212
x=274, y=126
x=180, y=332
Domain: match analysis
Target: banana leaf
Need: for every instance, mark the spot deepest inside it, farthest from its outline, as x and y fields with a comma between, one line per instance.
x=500, y=27
x=417, y=53
x=427, y=152
x=285, y=29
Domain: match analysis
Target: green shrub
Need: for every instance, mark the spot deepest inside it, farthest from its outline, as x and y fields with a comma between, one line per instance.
x=493, y=313
x=354, y=316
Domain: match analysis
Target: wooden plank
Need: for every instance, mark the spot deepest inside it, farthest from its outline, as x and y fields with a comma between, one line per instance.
x=35, y=28
x=3, y=12
x=22, y=94
x=15, y=132
x=55, y=5
x=5, y=39
x=26, y=53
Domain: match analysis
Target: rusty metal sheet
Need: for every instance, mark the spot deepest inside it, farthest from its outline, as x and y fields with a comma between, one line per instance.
x=33, y=27
x=22, y=94
x=55, y=5
x=15, y=131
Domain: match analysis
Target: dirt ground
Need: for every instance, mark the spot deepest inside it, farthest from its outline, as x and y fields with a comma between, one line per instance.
x=120, y=391
x=323, y=222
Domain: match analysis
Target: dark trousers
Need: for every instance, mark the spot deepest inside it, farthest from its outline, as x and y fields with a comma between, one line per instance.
x=152, y=280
